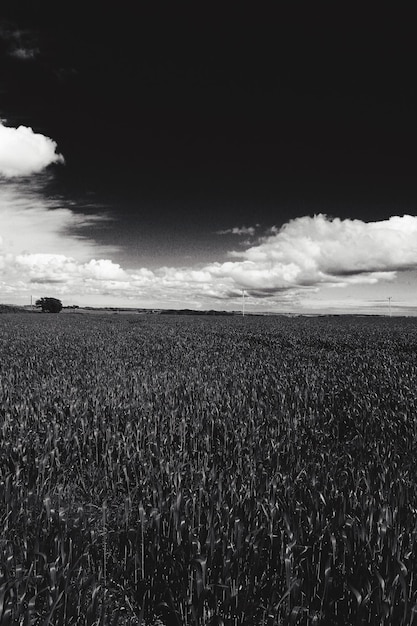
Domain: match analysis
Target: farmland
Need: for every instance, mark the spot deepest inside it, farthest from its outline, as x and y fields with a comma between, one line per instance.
x=196, y=471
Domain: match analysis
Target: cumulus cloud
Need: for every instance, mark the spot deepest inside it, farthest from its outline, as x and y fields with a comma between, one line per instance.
x=24, y=152
x=43, y=243
x=286, y=268
x=304, y=255
x=58, y=268
x=316, y=250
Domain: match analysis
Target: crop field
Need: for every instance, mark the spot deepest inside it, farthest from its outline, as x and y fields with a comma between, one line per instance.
x=207, y=471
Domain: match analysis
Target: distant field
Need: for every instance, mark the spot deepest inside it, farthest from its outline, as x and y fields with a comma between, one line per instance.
x=207, y=470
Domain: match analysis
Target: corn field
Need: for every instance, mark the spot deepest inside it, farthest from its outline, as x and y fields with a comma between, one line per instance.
x=207, y=471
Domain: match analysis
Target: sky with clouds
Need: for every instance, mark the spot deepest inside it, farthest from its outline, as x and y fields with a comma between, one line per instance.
x=150, y=168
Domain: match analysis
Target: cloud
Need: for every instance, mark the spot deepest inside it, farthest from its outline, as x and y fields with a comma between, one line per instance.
x=41, y=250
x=30, y=223
x=317, y=250
x=238, y=230
x=21, y=44
x=24, y=54
x=24, y=152
x=60, y=269
x=308, y=253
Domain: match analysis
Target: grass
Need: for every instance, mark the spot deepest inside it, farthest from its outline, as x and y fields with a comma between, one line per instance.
x=200, y=471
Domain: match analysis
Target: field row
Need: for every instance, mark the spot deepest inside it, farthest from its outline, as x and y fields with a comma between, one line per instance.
x=207, y=470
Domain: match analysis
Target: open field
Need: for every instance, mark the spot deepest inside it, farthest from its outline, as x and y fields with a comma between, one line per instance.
x=207, y=470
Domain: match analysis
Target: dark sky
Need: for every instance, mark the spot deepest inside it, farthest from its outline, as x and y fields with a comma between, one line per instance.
x=222, y=116
x=183, y=119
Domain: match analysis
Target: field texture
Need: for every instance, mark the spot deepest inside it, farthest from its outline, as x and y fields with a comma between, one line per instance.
x=207, y=470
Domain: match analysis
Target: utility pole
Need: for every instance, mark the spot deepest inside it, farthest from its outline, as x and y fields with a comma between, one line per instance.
x=243, y=303
x=389, y=305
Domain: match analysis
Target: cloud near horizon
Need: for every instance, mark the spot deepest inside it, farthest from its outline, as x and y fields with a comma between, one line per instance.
x=320, y=250
x=42, y=247
x=24, y=152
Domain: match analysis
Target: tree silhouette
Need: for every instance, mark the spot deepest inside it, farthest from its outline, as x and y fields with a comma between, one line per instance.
x=49, y=305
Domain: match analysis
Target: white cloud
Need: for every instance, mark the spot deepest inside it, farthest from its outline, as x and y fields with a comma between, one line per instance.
x=238, y=230
x=58, y=268
x=33, y=224
x=103, y=269
x=44, y=268
x=24, y=152
x=305, y=254
x=317, y=250
x=43, y=243
x=40, y=251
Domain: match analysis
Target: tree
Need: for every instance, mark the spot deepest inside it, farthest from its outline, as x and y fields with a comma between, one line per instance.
x=49, y=305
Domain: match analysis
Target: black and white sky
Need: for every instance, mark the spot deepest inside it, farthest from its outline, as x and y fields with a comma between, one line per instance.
x=177, y=154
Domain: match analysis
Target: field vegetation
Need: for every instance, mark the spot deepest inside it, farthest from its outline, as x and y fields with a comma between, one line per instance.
x=206, y=471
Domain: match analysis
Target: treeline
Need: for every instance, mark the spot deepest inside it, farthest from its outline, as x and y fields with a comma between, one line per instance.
x=193, y=312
